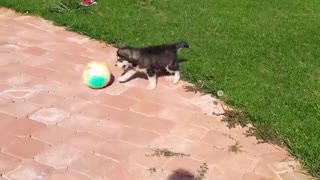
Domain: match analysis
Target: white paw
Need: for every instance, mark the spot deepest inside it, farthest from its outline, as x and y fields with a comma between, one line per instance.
x=176, y=77
x=122, y=79
x=176, y=80
x=151, y=86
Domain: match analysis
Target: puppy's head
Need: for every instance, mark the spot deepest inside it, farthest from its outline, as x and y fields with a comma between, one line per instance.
x=124, y=56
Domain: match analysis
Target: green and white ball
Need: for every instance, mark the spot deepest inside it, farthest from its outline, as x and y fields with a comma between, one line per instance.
x=96, y=75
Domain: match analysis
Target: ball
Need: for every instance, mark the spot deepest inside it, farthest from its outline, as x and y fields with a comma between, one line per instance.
x=96, y=75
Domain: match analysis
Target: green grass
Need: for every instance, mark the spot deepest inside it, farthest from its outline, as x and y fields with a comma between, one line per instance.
x=264, y=55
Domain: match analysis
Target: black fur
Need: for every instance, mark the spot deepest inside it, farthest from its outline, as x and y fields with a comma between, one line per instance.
x=153, y=58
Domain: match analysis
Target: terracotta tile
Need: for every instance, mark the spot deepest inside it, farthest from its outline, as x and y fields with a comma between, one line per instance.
x=218, y=139
x=210, y=108
x=252, y=176
x=19, y=93
x=172, y=143
x=9, y=47
x=221, y=173
x=202, y=99
x=183, y=92
x=127, y=171
x=93, y=166
x=23, y=127
x=5, y=100
x=25, y=148
x=66, y=175
x=139, y=137
x=118, y=102
x=116, y=149
x=189, y=131
x=29, y=170
x=84, y=141
x=18, y=108
x=35, y=51
x=5, y=119
x=178, y=115
x=240, y=161
x=158, y=175
x=81, y=92
x=265, y=170
x=38, y=72
x=206, y=152
x=167, y=83
x=95, y=110
x=6, y=70
x=187, y=164
x=136, y=93
x=275, y=156
x=50, y=116
x=59, y=156
x=210, y=122
x=41, y=84
x=4, y=87
x=8, y=163
x=59, y=66
x=252, y=146
x=45, y=99
x=238, y=133
x=19, y=79
x=147, y=108
x=295, y=176
x=6, y=138
x=146, y=158
x=79, y=122
x=7, y=59
x=108, y=129
x=138, y=82
x=116, y=89
x=73, y=105
x=78, y=40
x=61, y=78
x=171, y=100
x=52, y=134
x=36, y=61
x=286, y=166
x=140, y=121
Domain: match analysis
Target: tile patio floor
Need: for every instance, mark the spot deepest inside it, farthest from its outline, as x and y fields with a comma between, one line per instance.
x=54, y=127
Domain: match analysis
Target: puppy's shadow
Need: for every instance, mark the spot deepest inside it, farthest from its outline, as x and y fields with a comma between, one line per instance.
x=181, y=174
x=144, y=76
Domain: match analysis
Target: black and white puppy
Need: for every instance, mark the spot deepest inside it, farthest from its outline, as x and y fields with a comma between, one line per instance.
x=149, y=60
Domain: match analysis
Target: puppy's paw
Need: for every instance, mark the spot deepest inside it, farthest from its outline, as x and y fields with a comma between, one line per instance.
x=151, y=87
x=122, y=79
x=176, y=77
x=176, y=80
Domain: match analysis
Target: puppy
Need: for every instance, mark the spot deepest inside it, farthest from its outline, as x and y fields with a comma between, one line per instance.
x=149, y=60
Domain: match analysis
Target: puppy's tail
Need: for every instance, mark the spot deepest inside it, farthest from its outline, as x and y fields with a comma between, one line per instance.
x=182, y=44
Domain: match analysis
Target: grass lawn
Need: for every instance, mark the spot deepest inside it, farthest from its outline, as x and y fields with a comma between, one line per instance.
x=264, y=55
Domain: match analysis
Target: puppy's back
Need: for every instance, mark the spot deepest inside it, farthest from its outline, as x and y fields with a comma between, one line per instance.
x=164, y=48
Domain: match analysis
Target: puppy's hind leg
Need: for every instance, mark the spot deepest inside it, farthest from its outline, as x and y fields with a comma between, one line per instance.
x=125, y=77
x=174, y=69
x=152, y=76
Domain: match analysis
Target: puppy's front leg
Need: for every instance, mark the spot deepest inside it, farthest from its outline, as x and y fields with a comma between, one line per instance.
x=125, y=77
x=152, y=76
x=176, y=77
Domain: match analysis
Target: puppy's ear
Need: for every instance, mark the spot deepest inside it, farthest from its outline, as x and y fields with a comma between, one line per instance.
x=126, y=52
